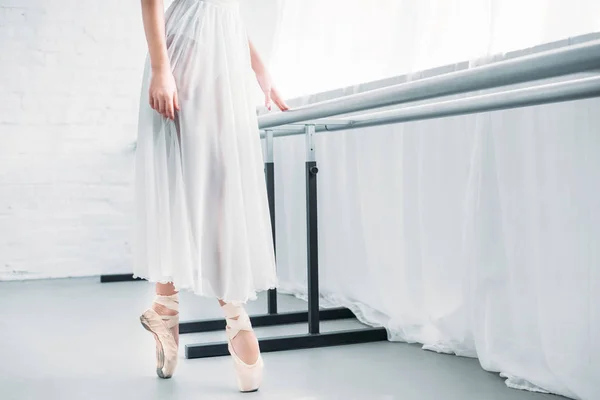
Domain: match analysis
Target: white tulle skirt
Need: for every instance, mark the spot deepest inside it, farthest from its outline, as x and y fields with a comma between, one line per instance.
x=202, y=219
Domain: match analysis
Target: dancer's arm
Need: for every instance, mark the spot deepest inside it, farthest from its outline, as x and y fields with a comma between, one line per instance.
x=265, y=81
x=163, y=91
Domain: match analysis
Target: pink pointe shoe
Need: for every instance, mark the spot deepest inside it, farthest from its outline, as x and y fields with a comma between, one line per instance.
x=161, y=327
x=249, y=377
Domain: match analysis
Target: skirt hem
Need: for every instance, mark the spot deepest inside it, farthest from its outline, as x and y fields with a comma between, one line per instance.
x=228, y=299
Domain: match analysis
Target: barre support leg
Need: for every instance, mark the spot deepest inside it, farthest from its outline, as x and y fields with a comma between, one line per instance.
x=270, y=182
x=312, y=232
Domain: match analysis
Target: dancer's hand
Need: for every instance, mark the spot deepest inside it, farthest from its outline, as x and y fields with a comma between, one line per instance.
x=271, y=93
x=163, y=93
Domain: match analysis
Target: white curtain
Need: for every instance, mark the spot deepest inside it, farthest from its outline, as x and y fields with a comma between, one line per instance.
x=322, y=45
x=474, y=235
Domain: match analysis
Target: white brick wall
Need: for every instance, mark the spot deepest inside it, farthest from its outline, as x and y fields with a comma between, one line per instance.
x=69, y=79
x=70, y=75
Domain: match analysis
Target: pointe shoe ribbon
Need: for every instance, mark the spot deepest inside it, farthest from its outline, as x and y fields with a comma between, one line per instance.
x=237, y=320
x=171, y=302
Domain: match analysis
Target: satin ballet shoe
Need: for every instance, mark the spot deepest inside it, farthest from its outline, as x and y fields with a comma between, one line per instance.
x=249, y=377
x=160, y=326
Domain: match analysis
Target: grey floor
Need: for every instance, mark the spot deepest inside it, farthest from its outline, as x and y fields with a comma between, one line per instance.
x=80, y=339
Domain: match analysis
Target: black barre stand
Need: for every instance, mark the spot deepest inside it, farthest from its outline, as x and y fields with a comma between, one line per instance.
x=314, y=338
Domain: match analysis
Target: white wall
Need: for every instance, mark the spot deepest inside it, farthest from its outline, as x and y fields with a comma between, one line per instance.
x=70, y=86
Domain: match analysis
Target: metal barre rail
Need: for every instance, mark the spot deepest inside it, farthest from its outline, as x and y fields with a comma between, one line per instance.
x=575, y=89
x=564, y=61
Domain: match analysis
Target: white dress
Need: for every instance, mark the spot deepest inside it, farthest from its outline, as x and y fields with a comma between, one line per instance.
x=202, y=219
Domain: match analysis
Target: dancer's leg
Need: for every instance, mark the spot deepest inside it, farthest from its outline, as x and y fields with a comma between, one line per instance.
x=245, y=344
x=162, y=320
x=243, y=347
x=167, y=289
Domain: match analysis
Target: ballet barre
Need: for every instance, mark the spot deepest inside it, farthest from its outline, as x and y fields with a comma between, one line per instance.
x=575, y=89
x=576, y=59
x=548, y=64
x=321, y=118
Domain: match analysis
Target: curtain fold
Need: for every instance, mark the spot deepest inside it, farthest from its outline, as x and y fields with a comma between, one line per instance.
x=474, y=235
